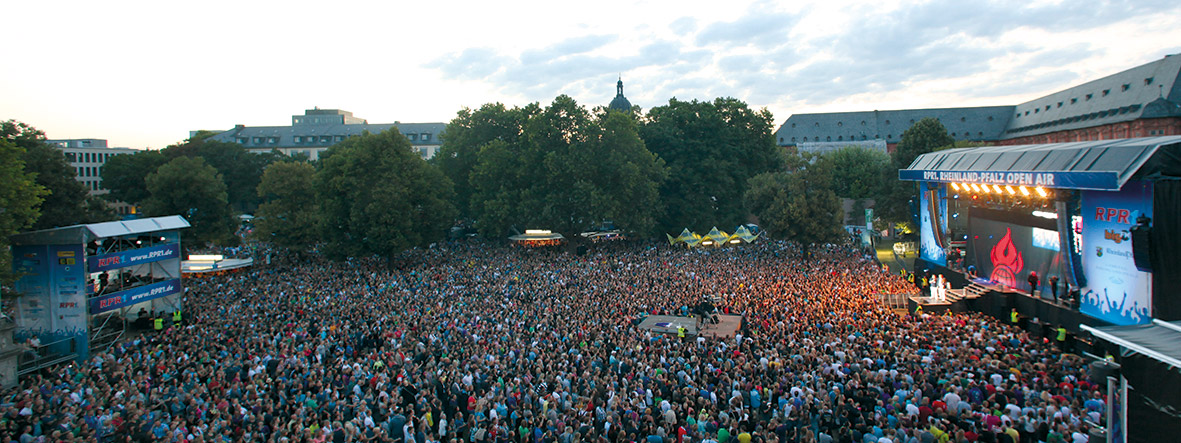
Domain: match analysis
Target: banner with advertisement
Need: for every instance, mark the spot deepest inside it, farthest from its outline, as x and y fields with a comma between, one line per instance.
x=116, y=260
x=930, y=249
x=53, y=304
x=1116, y=292
x=123, y=299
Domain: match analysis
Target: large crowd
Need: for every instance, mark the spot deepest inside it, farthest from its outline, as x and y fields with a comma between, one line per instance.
x=470, y=342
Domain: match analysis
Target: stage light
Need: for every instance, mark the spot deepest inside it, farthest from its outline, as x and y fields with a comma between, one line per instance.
x=974, y=187
x=1024, y=191
x=1041, y=191
x=985, y=189
x=1011, y=190
x=955, y=186
x=996, y=188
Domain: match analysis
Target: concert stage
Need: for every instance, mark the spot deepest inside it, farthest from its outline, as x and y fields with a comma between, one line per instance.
x=727, y=325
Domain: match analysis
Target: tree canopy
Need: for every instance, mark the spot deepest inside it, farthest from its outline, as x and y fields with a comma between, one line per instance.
x=469, y=132
x=66, y=201
x=379, y=197
x=799, y=204
x=19, y=197
x=856, y=171
x=926, y=135
x=712, y=149
x=125, y=175
x=191, y=188
x=240, y=169
x=567, y=171
x=289, y=215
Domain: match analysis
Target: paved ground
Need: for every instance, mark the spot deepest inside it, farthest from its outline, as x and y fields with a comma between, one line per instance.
x=885, y=249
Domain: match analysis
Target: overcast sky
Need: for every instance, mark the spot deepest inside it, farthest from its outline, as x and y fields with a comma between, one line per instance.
x=142, y=74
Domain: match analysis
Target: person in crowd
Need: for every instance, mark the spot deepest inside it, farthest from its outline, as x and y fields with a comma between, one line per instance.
x=472, y=342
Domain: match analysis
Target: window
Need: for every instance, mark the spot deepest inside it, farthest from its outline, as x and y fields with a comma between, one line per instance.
x=1074, y=100
x=258, y=140
x=805, y=139
x=426, y=137
x=1035, y=110
x=793, y=125
x=1106, y=91
x=912, y=121
x=863, y=123
x=79, y=171
x=325, y=139
x=793, y=140
x=1026, y=112
x=338, y=138
x=412, y=137
x=1089, y=96
x=963, y=119
x=887, y=122
x=828, y=139
x=297, y=139
x=1125, y=87
x=980, y=134
x=839, y=124
x=1047, y=107
x=1059, y=104
x=817, y=124
x=840, y=138
x=242, y=140
x=990, y=118
x=1148, y=81
x=273, y=140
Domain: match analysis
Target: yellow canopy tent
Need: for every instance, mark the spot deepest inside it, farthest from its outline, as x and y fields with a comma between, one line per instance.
x=743, y=234
x=715, y=238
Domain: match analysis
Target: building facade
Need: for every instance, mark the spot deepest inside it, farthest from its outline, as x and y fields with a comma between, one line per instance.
x=317, y=129
x=1144, y=101
x=87, y=156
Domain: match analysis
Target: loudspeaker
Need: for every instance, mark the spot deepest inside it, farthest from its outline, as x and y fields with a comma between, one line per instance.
x=1141, y=243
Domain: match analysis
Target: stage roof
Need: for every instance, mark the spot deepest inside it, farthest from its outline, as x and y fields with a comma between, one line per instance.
x=78, y=234
x=1102, y=165
x=1160, y=340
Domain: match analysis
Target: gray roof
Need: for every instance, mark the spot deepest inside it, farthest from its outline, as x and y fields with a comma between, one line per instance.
x=1152, y=90
x=1160, y=340
x=79, y=234
x=1121, y=97
x=976, y=123
x=1123, y=157
x=324, y=135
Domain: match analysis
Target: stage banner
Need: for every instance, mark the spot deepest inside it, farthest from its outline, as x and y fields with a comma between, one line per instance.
x=132, y=296
x=52, y=306
x=116, y=260
x=1116, y=291
x=1057, y=179
x=929, y=248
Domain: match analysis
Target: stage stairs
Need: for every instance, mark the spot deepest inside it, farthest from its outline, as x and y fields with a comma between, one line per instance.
x=969, y=292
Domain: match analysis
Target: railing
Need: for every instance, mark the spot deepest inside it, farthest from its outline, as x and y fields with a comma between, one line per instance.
x=110, y=331
x=33, y=360
x=894, y=301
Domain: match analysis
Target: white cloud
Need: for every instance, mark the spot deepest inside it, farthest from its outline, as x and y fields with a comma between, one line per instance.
x=145, y=73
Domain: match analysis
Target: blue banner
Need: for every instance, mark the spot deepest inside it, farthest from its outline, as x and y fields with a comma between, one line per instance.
x=132, y=296
x=1107, y=181
x=1116, y=291
x=116, y=260
x=929, y=248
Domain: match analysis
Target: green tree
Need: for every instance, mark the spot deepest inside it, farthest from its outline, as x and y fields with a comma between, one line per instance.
x=19, y=199
x=712, y=149
x=67, y=202
x=240, y=169
x=379, y=197
x=467, y=133
x=857, y=171
x=289, y=215
x=125, y=175
x=926, y=135
x=568, y=171
x=191, y=188
x=798, y=205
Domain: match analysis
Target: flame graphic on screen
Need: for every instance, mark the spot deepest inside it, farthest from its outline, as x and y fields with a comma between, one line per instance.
x=1006, y=260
